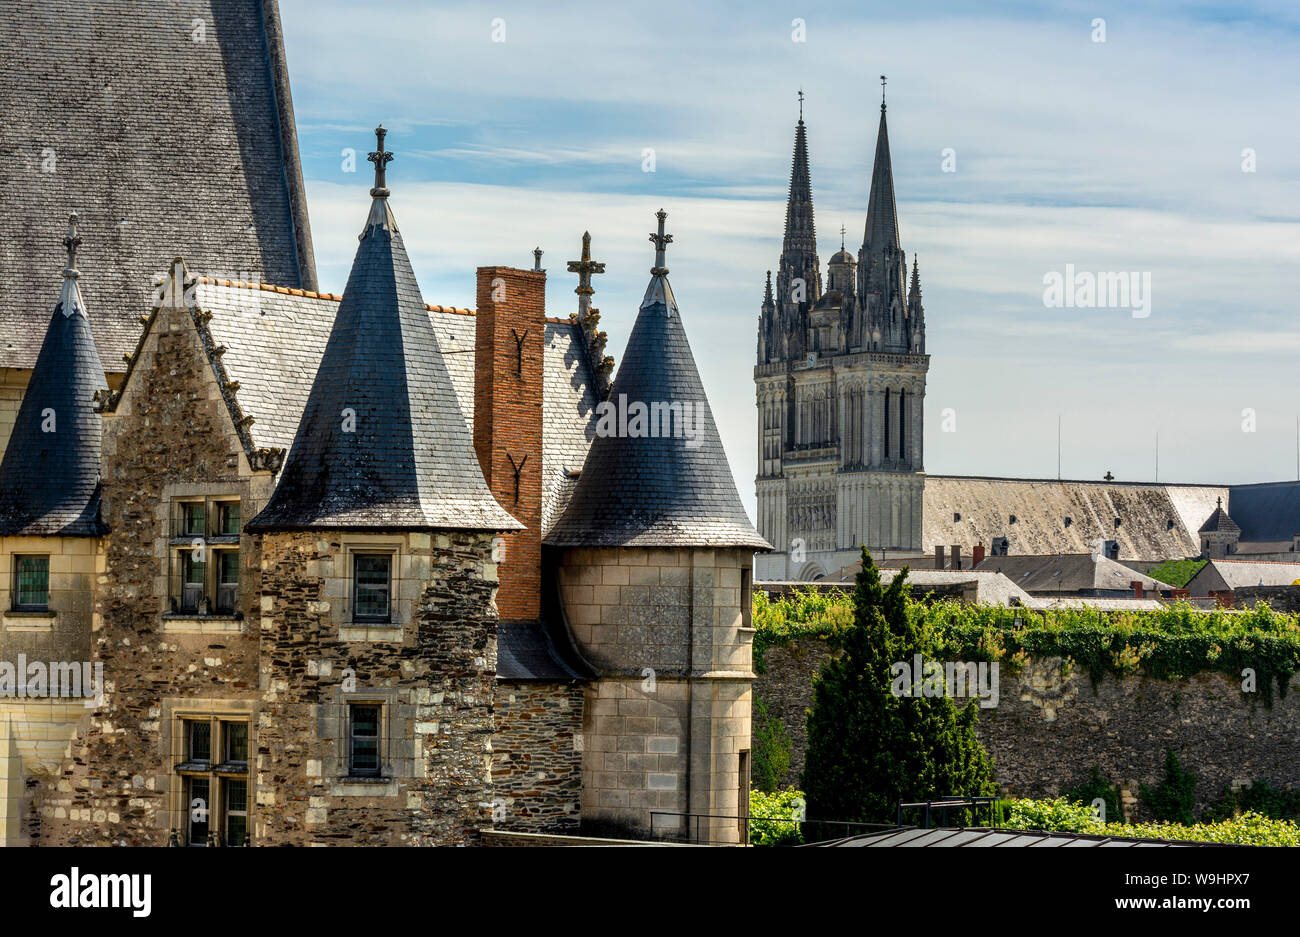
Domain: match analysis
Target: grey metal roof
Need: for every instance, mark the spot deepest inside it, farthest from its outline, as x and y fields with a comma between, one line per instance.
x=163, y=144
x=657, y=490
x=980, y=837
x=49, y=477
x=1269, y=511
x=407, y=461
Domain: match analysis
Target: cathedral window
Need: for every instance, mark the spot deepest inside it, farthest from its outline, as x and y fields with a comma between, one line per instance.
x=31, y=583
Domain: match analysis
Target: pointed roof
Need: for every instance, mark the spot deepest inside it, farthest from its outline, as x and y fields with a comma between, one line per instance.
x=882, y=214
x=674, y=488
x=382, y=443
x=800, y=232
x=1219, y=522
x=49, y=478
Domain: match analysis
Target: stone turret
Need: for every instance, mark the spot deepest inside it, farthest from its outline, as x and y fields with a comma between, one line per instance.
x=654, y=564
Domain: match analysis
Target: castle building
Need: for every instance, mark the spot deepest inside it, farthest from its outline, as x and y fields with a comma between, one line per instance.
x=840, y=384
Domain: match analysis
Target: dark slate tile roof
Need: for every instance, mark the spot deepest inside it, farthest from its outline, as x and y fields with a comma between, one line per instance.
x=1068, y=572
x=49, y=478
x=1220, y=522
x=537, y=651
x=164, y=145
x=657, y=491
x=1269, y=511
x=408, y=462
x=276, y=338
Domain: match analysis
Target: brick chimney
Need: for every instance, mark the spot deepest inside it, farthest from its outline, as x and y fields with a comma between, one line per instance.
x=1137, y=588
x=938, y=558
x=955, y=550
x=509, y=343
x=977, y=555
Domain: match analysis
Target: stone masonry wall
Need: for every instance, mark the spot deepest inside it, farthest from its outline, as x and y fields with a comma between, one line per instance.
x=434, y=679
x=171, y=425
x=537, y=757
x=1048, y=731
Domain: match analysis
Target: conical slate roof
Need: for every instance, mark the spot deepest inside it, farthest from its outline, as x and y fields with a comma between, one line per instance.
x=672, y=489
x=49, y=479
x=1219, y=522
x=382, y=443
x=882, y=214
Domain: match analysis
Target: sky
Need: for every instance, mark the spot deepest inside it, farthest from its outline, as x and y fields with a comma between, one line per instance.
x=516, y=126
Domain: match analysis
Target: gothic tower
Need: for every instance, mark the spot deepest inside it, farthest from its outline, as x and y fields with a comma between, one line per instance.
x=840, y=384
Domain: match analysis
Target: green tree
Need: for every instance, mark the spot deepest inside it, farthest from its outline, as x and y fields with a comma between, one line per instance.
x=869, y=749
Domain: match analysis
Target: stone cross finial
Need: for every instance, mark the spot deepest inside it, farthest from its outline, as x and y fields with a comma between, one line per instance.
x=71, y=242
x=537, y=258
x=380, y=158
x=661, y=242
x=584, y=268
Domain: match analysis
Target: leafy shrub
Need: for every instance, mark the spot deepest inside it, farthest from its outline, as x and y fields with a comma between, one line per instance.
x=771, y=745
x=1059, y=815
x=770, y=815
x=1174, y=798
x=1053, y=815
x=1098, y=787
x=1176, y=573
x=1261, y=798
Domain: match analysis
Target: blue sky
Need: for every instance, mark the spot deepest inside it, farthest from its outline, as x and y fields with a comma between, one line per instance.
x=1117, y=156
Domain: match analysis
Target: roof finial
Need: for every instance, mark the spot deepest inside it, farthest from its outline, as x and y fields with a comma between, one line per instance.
x=882, y=92
x=801, y=105
x=661, y=242
x=380, y=158
x=1219, y=502
x=584, y=268
x=841, y=237
x=537, y=258
x=70, y=242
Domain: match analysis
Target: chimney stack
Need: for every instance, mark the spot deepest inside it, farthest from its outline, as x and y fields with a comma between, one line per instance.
x=1137, y=588
x=938, y=558
x=509, y=343
x=956, y=556
x=977, y=555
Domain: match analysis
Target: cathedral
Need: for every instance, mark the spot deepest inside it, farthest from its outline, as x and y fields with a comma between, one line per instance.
x=840, y=393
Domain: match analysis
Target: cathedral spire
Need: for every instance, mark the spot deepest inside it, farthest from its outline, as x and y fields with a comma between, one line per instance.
x=882, y=215
x=767, y=293
x=800, y=233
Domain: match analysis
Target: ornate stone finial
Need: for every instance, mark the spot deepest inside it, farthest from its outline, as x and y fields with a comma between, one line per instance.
x=841, y=237
x=661, y=242
x=882, y=92
x=380, y=158
x=71, y=242
x=537, y=258
x=584, y=268
x=801, y=105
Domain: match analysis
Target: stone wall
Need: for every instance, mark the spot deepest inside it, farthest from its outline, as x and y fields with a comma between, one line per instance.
x=537, y=757
x=171, y=425
x=1048, y=731
x=433, y=677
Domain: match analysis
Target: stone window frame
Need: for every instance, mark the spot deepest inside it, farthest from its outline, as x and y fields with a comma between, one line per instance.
x=399, y=610
x=171, y=542
x=174, y=739
x=397, y=751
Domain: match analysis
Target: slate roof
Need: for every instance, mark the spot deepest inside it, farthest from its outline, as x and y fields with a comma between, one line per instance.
x=657, y=490
x=1069, y=573
x=882, y=213
x=1220, y=522
x=1266, y=512
x=1232, y=574
x=164, y=145
x=407, y=461
x=49, y=477
x=275, y=338
x=1157, y=521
